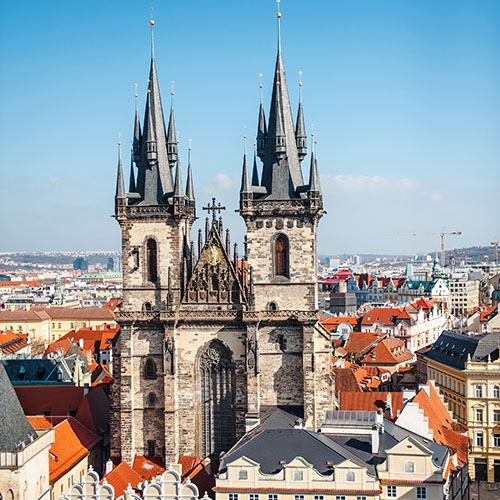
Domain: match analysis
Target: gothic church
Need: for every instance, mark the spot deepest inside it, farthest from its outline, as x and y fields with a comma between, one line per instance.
x=209, y=339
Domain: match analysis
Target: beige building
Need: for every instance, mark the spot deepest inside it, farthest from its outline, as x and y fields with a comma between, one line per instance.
x=357, y=456
x=464, y=296
x=24, y=453
x=467, y=371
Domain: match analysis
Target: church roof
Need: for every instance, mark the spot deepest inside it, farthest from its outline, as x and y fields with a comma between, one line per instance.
x=15, y=431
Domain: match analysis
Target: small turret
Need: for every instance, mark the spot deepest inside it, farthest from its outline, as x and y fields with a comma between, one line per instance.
x=131, y=184
x=136, y=144
x=255, y=172
x=314, y=183
x=261, y=129
x=245, y=177
x=300, y=128
x=171, y=137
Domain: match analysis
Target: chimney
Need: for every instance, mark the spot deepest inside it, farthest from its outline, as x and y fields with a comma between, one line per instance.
x=108, y=467
x=375, y=439
x=80, y=343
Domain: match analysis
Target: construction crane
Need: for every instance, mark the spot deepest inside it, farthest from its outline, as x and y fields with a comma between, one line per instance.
x=442, y=234
x=495, y=251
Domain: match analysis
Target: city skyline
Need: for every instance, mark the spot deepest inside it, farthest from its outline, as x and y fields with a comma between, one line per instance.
x=404, y=101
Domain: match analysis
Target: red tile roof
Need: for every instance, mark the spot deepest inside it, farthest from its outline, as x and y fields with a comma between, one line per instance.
x=389, y=351
x=146, y=468
x=121, y=476
x=359, y=342
x=77, y=313
x=371, y=401
x=345, y=380
x=11, y=342
x=51, y=400
x=72, y=442
x=385, y=315
x=31, y=314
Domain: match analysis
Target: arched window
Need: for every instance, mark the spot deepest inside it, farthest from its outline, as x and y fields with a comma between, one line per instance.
x=151, y=399
x=146, y=306
x=150, y=369
x=409, y=466
x=151, y=260
x=496, y=391
x=281, y=256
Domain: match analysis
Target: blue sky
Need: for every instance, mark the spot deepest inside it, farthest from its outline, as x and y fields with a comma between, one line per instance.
x=404, y=98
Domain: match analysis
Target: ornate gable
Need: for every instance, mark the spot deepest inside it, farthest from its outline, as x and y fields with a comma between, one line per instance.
x=215, y=279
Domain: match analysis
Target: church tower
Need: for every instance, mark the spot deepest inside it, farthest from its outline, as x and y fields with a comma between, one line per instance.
x=209, y=339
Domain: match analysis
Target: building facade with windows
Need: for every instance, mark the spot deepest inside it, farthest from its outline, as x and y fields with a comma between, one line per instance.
x=467, y=371
x=209, y=338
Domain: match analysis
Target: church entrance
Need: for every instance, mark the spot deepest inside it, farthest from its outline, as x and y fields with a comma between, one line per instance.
x=217, y=395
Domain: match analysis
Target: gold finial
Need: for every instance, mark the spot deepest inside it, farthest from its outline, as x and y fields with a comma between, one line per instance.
x=278, y=13
x=135, y=90
x=300, y=78
x=172, y=91
x=189, y=144
x=151, y=21
x=260, y=77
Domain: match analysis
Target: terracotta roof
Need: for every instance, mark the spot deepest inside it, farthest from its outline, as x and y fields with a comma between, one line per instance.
x=113, y=304
x=388, y=351
x=371, y=401
x=11, y=342
x=333, y=322
x=90, y=313
x=24, y=315
x=196, y=472
x=19, y=284
x=50, y=400
x=441, y=421
x=361, y=341
x=146, y=468
x=345, y=380
x=385, y=315
x=121, y=476
x=72, y=442
x=59, y=346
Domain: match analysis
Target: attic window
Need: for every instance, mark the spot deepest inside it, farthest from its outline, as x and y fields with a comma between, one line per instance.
x=242, y=474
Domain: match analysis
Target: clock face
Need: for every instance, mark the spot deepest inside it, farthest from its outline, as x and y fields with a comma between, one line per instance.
x=214, y=255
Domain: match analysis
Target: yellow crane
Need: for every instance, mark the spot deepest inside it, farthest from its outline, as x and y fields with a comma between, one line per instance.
x=442, y=234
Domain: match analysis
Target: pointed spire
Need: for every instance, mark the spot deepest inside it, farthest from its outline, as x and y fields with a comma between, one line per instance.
x=189, y=181
x=262, y=127
x=281, y=171
x=131, y=186
x=245, y=178
x=120, y=185
x=314, y=184
x=178, y=192
x=171, y=137
x=150, y=136
x=300, y=128
x=255, y=172
x=136, y=145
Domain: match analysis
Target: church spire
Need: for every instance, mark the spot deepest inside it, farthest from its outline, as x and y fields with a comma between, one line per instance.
x=300, y=128
x=154, y=179
x=281, y=173
x=136, y=144
x=262, y=128
x=314, y=184
x=255, y=172
x=189, y=181
x=131, y=184
x=171, y=137
x=245, y=177
x=120, y=185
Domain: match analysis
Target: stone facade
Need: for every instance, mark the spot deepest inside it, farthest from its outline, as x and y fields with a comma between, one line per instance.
x=209, y=340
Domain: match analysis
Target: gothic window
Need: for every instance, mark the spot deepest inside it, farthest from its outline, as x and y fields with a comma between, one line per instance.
x=151, y=448
x=151, y=260
x=281, y=256
x=150, y=369
x=146, y=306
x=151, y=399
x=217, y=388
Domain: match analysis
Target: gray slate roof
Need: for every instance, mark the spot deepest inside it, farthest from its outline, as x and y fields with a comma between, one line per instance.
x=15, y=428
x=453, y=349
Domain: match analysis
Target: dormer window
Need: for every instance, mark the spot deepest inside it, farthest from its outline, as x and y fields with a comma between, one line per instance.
x=409, y=466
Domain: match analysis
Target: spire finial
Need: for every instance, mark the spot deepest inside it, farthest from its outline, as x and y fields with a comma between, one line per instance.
x=172, y=95
x=300, y=86
x=278, y=17
x=244, y=140
x=152, y=24
x=260, y=86
x=135, y=96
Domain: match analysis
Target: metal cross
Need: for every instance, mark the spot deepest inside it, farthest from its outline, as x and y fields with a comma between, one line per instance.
x=214, y=208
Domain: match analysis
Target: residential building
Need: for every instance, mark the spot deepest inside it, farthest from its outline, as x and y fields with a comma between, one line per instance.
x=464, y=296
x=24, y=453
x=467, y=371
